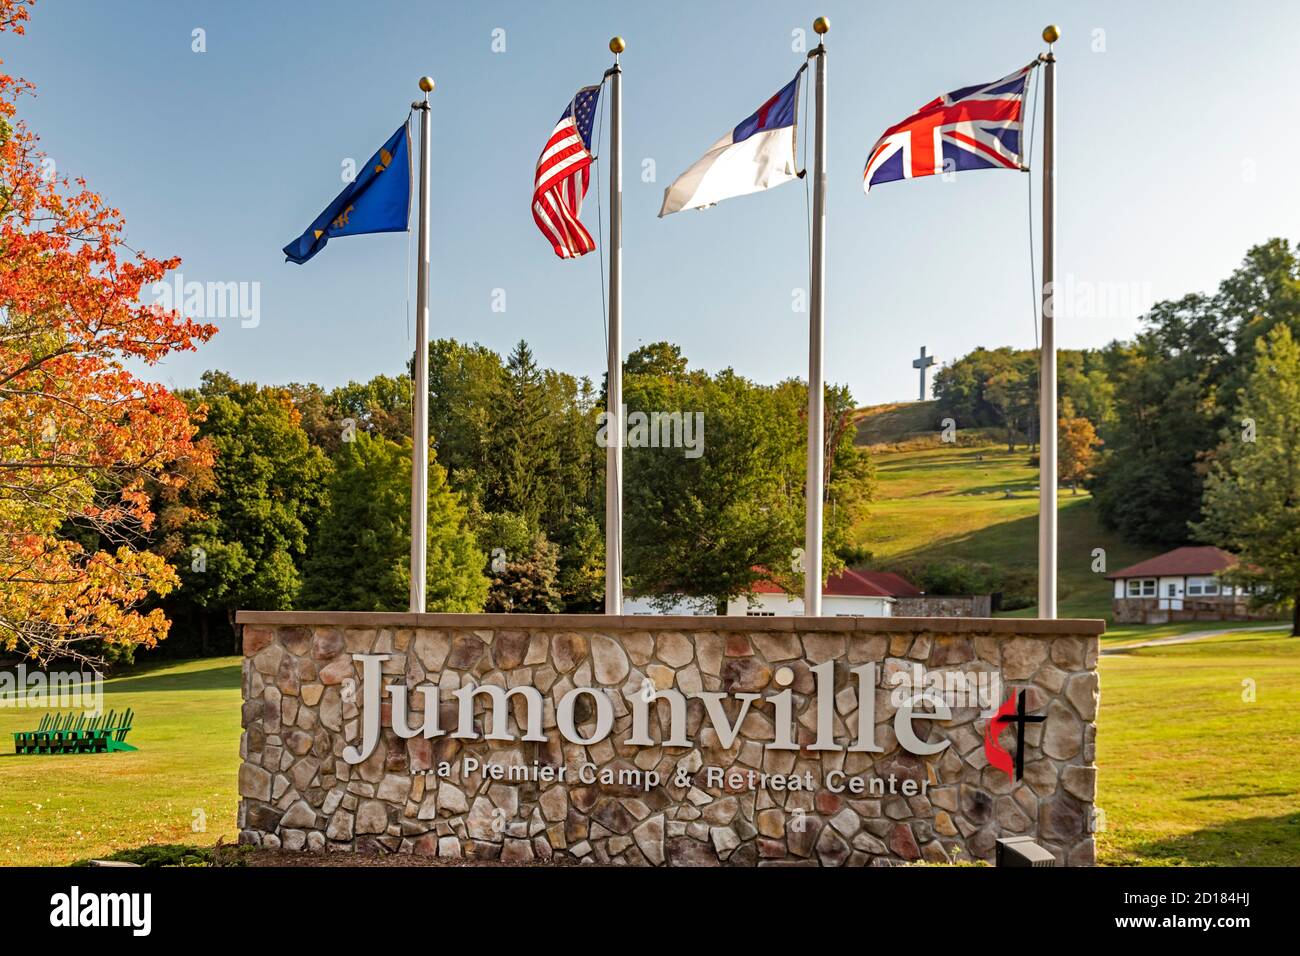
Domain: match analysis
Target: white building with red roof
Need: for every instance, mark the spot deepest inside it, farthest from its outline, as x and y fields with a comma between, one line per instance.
x=847, y=594
x=1184, y=584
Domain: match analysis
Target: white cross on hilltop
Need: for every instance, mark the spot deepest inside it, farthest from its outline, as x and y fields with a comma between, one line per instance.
x=922, y=363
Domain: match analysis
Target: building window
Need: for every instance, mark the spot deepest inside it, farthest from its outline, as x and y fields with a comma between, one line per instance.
x=760, y=614
x=1141, y=587
x=1204, y=586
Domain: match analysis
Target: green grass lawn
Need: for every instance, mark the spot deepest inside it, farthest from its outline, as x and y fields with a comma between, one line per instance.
x=1118, y=635
x=1190, y=773
x=979, y=502
x=55, y=809
x=976, y=501
x=897, y=422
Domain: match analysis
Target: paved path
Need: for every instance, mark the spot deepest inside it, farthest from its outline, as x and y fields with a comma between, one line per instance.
x=1190, y=637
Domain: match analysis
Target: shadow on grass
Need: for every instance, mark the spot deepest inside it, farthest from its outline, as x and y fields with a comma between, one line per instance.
x=999, y=489
x=948, y=463
x=1226, y=797
x=990, y=543
x=1254, y=841
x=226, y=677
x=1224, y=634
x=1014, y=541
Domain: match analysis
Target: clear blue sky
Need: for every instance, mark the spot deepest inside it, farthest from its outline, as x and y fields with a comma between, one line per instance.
x=1176, y=154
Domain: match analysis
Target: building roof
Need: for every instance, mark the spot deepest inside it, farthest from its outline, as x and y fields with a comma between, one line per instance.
x=1190, y=560
x=850, y=583
x=895, y=584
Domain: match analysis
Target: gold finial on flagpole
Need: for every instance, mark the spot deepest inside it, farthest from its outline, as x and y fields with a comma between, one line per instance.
x=617, y=46
x=1051, y=33
x=822, y=25
x=426, y=84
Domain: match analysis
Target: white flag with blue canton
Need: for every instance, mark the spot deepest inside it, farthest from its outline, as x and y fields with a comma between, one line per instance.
x=758, y=154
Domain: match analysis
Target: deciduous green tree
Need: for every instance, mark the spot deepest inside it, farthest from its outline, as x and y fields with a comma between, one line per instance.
x=381, y=406
x=243, y=547
x=1252, y=491
x=657, y=358
x=359, y=558
x=1148, y=486
x=1175, y=390
x=464, y=384
x=710, y=524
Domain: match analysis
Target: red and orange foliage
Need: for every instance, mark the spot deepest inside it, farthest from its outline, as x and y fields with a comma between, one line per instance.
x=82, y=439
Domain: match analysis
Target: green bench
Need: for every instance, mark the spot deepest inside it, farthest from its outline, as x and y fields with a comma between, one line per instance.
x=73, y=734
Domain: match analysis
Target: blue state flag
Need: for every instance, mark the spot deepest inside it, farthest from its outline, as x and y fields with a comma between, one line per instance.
x=377, y=200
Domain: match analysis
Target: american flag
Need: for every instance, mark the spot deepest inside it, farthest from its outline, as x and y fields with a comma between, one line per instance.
x=563, y=171
x=976, y=127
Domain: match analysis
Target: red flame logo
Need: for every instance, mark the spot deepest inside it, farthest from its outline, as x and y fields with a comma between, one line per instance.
x=998, y=755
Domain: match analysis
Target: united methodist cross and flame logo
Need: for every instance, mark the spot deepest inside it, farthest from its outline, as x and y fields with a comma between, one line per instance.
x=1012, y=711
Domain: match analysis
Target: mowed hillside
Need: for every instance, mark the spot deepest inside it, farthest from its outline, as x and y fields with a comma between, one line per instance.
x=972, y=500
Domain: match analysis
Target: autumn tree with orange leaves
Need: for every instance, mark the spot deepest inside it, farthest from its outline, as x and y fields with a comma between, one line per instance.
x=82, y=440
x=1078, y=447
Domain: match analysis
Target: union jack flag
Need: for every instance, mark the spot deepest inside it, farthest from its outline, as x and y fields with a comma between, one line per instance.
x=563, y=171
x=976, y=127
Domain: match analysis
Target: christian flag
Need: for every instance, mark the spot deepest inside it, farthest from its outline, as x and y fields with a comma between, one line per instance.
x=756, y=155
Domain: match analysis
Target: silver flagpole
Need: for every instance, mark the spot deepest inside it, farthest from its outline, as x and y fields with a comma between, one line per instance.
x=420, y=373
x=1047, y=355
x=614, y=381
x=812, y=549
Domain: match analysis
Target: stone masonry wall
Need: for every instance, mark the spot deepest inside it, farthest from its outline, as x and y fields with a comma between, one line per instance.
x=303, y=695
x=1156, y=610
x=939, y=605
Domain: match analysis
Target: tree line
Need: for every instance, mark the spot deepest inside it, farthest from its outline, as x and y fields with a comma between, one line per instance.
x=1192, y=427
x=303, y=500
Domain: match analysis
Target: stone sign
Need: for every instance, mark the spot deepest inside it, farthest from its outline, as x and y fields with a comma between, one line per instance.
x=681, y=741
